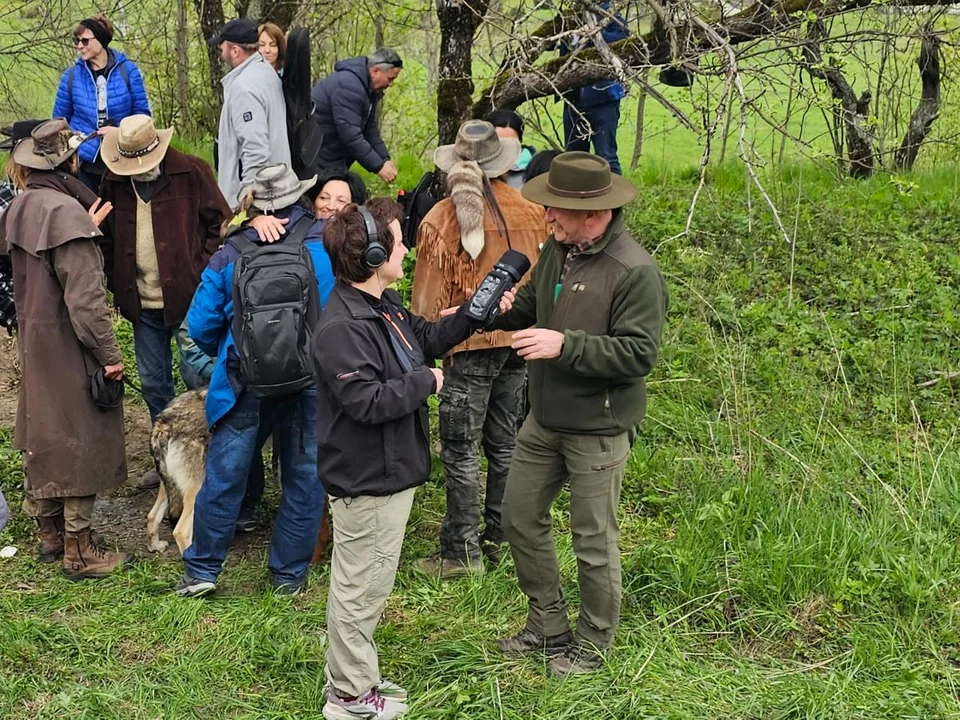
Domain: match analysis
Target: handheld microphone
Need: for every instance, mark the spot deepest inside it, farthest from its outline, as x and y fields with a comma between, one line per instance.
x=485, y=304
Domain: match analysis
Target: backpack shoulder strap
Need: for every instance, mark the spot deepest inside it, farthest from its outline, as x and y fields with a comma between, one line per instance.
x=236, y=239
x=125, y=74
x=70, y=73
x=300, y=229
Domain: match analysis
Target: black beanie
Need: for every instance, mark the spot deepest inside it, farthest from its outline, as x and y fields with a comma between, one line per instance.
x=99, y=30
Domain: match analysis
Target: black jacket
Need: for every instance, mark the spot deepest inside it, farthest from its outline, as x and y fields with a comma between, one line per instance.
x=372, y=421
x=346, y=112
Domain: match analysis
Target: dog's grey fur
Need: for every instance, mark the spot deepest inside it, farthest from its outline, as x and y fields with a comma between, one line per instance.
x=179, y=447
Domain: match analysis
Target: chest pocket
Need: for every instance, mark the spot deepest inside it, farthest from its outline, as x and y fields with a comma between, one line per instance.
x=584, y=303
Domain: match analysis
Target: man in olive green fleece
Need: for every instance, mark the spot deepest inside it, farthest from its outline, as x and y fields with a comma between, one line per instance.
x=593, y=312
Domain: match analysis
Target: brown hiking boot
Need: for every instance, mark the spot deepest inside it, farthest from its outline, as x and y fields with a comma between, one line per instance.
x=50, y=530
x=85, y=559
x=447, y=569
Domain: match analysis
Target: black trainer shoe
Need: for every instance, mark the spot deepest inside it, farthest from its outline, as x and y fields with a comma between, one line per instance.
x=527, y=642
x=247, y=520
x=289, y=589
x=577, y=660
x=191, y=587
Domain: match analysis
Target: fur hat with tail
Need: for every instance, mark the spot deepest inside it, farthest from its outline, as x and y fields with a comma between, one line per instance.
x=465, y=181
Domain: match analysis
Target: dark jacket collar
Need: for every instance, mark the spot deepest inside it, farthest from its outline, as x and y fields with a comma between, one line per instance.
x=355, y=303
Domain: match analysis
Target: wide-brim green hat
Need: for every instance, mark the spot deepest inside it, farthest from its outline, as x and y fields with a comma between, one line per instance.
x=580, y=181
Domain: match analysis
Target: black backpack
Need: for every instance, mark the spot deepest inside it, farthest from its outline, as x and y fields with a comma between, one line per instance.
x=415, y=205
x=275, y=308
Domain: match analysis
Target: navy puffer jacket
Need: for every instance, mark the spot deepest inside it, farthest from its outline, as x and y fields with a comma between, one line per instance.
x=126, y=95
x=346, y=107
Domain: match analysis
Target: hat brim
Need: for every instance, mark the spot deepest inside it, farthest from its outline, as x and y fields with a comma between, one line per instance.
x=445, y=157
x=215, y=40
x=287, y=200
x=24, y=155
x=124, y=166
x=621, y=192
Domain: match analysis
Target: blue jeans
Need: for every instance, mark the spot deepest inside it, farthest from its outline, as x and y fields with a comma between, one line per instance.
x=151, y=345
x=597, y=123
x=234, y=443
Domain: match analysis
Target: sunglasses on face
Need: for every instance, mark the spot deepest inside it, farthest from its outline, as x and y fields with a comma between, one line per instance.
x=82, y=41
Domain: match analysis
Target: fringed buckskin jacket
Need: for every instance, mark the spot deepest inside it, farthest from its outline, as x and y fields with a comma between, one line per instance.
x=445, y=271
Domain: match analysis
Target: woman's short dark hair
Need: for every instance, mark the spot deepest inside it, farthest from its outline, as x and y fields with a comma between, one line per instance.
x=539, y=164
x=506, y=119
x=345, y=237
x=358, y=191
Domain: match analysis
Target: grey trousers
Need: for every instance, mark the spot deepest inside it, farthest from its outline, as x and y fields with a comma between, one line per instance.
x=367, y=538
x=479, y=403
x=543, y=462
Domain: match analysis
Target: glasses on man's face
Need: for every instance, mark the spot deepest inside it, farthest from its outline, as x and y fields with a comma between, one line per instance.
x=82, y=41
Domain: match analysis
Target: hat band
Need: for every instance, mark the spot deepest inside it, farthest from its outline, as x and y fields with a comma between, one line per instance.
x=142, y=151
x=283, y=194
x=488, y=158
x=579, y=193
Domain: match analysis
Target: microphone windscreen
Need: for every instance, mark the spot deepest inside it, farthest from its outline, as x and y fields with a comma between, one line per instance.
x=516, y=261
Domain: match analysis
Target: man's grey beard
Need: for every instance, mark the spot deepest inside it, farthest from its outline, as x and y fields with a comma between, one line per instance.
x=149, y=176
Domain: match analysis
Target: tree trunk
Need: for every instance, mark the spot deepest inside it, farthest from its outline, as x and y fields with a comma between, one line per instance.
x=458, y=25
x=853, y=111
x=281, y=12
x=929, y=107
x=183, y=65
x=641, y=103
x=210, y=13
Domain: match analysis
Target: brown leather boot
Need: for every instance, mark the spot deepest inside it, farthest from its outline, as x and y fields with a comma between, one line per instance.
x=85, y=559
x=50, y=530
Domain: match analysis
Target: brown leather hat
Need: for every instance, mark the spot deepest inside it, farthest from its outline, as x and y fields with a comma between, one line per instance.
x=50, y=144
x=580, y=181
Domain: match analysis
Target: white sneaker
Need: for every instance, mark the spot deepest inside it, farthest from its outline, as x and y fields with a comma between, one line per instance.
x=391, y=691
x=372, y=706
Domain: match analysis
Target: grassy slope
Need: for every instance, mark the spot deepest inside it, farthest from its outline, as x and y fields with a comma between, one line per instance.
x=789, y=514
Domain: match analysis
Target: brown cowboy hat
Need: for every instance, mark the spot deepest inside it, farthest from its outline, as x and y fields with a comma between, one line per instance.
x=135, y=147
x=477, y=140
x=580, y=181
x=50, y=145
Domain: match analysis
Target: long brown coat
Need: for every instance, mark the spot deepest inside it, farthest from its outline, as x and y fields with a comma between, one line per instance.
x=70, y=447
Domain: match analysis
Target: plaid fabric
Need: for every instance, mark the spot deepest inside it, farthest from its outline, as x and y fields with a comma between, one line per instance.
x=572, y=253
x=6, y=196
x=8, y=312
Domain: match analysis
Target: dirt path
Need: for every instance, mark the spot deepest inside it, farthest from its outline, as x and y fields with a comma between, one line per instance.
x=122, y=514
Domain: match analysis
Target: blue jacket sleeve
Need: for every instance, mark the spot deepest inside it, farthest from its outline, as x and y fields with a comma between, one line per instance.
x=140, y=101
x=207, y=321
x=63, y=105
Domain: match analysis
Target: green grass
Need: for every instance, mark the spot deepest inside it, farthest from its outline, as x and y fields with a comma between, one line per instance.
x=789, y=514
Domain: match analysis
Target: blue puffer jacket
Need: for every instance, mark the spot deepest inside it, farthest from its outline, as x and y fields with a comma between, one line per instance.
x=125, y=96
x=210, y=319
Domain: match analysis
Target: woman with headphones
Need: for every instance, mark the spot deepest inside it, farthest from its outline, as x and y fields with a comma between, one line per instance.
x=374, y=364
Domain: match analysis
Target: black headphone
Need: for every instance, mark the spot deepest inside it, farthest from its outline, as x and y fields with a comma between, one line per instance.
x=374, y=254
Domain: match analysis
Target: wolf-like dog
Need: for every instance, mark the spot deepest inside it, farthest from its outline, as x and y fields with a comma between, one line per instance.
x=179, y=447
